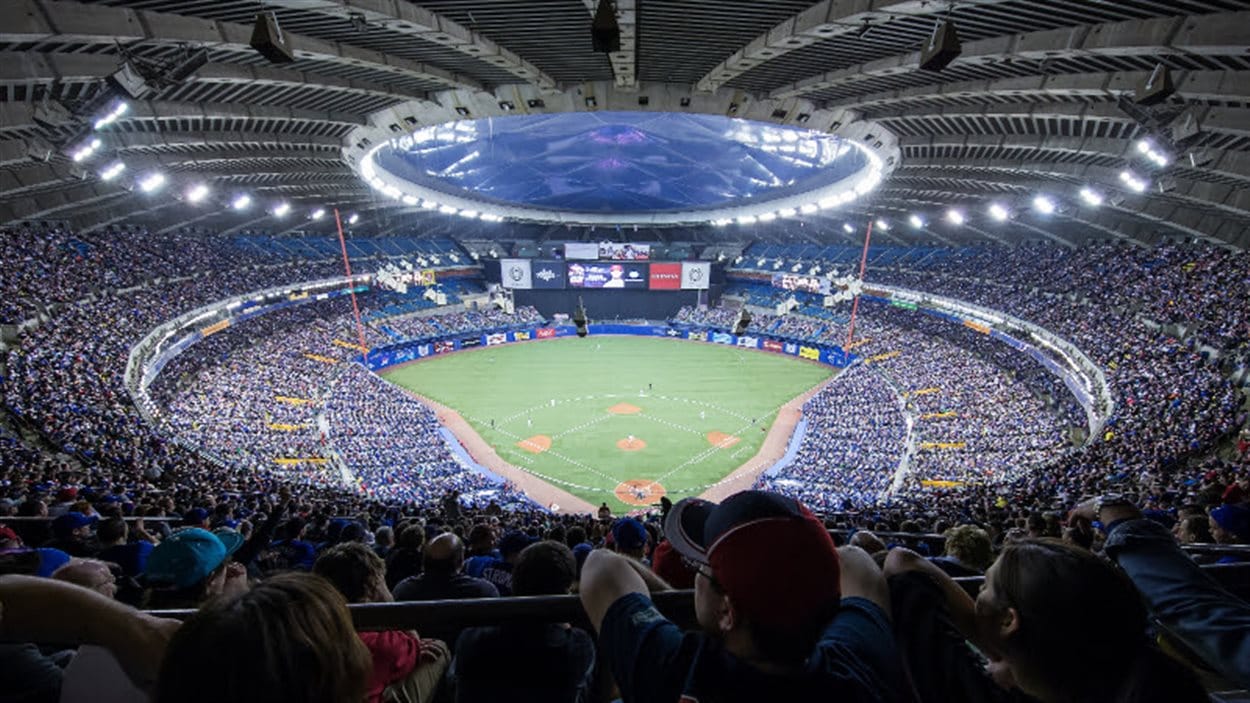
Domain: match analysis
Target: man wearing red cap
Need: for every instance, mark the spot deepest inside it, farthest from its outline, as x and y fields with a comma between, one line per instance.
x=784, y=614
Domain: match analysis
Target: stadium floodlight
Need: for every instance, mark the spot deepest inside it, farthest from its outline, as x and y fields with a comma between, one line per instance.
x=1144, y=146
x=809, y=208
x=281, y=209
x=196, y=193
x=1044, y=205
x=119, y=108
x=1091, y=197
x=999, y=212
x=746, y=219
x=112, y=171
x=1134, y=183
x=787, y=211
x=353, y=219
x=882, y=225
x=409, y=200
x=430, y=204
x=152, y=182
x=318, y=213
x=954, y=217
x=916, y=221
x=846, y=227
x=448, y=210
x=468, y=214
x=241, y=201
x=767, y=216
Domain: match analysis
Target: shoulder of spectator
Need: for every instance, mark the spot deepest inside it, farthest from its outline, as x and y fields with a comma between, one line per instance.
x=606, y=578
x=861, y=578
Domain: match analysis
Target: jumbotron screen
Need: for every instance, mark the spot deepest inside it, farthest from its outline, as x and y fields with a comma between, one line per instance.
x=607, y=275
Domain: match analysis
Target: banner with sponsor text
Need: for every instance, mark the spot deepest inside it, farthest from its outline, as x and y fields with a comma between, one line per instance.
x=665, y=276
x=749, y=342
x=516, y=273
x=695, y=275
x=496, y=338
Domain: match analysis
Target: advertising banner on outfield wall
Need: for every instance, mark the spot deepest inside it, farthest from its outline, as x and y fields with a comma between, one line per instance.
x=695, y=275
x=772, y=345
x=812, y=353
x=665, y=276
x=749, y=342
x=697, y=336
x=443, y=346
x=515, y=273
x=470, y=342
x=791, y=348
x=548, y=275
x=425, y=350
x=544, y=332
x=497, y=338
x=521, y=336
x=722, y=338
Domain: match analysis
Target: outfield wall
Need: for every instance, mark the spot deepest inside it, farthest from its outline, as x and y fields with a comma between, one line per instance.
x=404, y=352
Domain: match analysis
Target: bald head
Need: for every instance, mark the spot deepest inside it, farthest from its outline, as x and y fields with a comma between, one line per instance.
x=88, y=573
x=444, y=554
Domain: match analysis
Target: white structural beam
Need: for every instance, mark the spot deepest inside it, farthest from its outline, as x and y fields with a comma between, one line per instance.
x=407, y=18
x=1204, y=35
x=820, y=22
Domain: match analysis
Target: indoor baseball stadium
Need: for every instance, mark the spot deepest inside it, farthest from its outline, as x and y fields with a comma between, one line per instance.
x=444, y=351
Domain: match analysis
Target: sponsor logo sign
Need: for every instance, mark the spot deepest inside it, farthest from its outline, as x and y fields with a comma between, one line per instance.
x=497, y=338
x=772, y=345
x=750, y=342
x=470, y=342
x=521, y=336
x=444, y=346
x=812, y=353
x=697, y=336
x=545, y=332
x=672, y=332
x=548, y=274
x=665, y=276
x=425, y=350
x=722, y=338
x=791, y=348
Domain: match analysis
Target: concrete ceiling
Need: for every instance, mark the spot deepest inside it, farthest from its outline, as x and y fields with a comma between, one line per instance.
x=1038, y=102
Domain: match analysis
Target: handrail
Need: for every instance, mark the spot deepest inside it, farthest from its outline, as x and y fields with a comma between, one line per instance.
x=678, y=606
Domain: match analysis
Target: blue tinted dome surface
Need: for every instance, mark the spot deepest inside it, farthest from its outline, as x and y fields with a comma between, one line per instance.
x=620, y=162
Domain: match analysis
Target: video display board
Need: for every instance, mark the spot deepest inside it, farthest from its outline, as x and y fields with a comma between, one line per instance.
x=807, y=284
x=624, y=252
x=607, y=275
x=665, y=276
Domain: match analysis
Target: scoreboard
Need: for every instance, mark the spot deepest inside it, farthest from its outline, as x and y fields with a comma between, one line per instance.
x=527, y=274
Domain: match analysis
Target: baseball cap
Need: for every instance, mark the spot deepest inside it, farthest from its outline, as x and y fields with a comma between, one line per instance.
x=628, y=533
x=514, y=542
x=1234, y=518
x=40, y=561
x=768, y=553
x=194, y=516
x=8, y=535
x=66, y=495
x=71, y=521
x=188, y=556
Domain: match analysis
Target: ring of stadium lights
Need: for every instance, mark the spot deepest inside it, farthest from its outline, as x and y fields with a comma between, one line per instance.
x=826, y=197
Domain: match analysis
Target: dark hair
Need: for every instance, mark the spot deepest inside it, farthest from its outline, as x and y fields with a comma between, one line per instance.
x=289, y=639
x=1061, y=593
x=111, y=530
x=353, y=568
x=544, y=568
x=575, y=536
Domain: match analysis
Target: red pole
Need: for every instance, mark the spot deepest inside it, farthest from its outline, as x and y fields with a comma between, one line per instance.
x=863, y=265
x=347, y=266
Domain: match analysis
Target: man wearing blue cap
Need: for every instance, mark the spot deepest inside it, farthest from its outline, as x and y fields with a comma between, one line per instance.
x=72, y=534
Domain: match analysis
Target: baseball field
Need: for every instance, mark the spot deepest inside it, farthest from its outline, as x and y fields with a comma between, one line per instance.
x=617, y=419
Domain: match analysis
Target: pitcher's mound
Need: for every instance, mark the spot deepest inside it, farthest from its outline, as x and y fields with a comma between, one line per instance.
x=630, y=444
x=624, y=409
x=722, y=440
x=639, y=492
x=537, y=444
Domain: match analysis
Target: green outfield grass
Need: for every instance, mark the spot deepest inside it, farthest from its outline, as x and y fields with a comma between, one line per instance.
x=506, y=393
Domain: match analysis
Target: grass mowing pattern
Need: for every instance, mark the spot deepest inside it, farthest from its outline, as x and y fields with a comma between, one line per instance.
x=738, y=393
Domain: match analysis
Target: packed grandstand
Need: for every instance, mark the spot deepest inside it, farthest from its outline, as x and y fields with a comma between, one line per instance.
x=1024, y=474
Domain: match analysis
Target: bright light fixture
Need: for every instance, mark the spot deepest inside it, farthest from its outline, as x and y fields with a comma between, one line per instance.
x=112, y=171
x=281, y=209
x=954, y=217
x=196, y=193
x=746, y=220
x=1134, y=183
x=241, y=201
x=1091, y=197
x=768, y=216
x=318, y=213
x=846, y=227
x=809, y=208
x=916, y=221
x=152, y=182
x=883, y=225
x=1044, y=205
x=353, y=219
x=999, y=212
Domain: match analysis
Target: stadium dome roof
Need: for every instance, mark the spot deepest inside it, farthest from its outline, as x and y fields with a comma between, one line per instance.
x=1041, y=101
